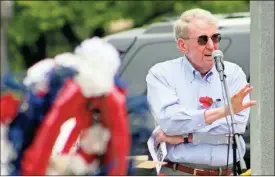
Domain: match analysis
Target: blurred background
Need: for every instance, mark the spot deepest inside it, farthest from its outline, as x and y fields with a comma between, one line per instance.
x=40, y=29
x=34, y=30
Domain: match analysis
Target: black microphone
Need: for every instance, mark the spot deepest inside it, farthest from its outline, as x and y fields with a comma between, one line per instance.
x=217, y=56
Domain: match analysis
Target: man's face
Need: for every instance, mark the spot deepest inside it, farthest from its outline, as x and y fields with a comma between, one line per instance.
x=199, y=52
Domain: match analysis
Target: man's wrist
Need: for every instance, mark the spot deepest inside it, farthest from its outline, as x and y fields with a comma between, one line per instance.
x=212, y=115
x=187, y=138
x=225, y=111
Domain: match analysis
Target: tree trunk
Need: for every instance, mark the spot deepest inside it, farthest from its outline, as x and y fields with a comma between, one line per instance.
x=34, y=53
x=70, y=35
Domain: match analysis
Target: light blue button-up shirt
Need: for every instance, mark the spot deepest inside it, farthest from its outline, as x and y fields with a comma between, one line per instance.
x=173, y=90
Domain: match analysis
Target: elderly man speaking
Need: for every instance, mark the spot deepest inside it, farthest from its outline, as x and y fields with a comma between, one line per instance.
x=186, y=97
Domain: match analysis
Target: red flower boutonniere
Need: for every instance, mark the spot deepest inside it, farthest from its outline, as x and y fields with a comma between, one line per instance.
x=206, y=101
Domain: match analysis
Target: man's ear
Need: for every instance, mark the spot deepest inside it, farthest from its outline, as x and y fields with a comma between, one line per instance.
x=182, y=45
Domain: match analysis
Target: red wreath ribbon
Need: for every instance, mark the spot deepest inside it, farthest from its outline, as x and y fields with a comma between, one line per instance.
x=9, y=107
x=112, y=107
x=206, y=101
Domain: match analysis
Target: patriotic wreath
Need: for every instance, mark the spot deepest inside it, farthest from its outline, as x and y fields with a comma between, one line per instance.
x=82, y=85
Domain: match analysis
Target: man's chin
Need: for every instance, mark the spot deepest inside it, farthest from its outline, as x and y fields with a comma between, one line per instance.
x=209, y=63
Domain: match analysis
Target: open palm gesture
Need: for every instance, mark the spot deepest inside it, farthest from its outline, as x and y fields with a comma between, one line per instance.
x=237, y=100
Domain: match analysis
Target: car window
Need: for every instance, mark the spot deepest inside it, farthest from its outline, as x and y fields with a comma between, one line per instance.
x=144, y=58
x=239, y=50
x=224, y=45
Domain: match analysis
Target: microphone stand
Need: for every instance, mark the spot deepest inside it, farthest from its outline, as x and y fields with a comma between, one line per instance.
x=236, y=141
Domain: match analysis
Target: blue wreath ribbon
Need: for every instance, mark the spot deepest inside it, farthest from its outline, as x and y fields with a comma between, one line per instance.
x=23, y=128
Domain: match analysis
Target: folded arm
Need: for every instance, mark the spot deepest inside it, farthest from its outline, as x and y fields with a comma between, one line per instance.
x=218, y=127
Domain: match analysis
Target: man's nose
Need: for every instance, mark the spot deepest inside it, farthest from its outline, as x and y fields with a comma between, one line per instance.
x=210, y=44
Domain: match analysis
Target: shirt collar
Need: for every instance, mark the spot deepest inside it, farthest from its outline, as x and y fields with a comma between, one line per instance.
x=192, y=73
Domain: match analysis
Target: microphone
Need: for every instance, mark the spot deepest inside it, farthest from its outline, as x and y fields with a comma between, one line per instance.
x=217, y=56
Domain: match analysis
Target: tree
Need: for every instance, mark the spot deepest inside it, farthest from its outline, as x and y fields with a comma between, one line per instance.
x=41, y=29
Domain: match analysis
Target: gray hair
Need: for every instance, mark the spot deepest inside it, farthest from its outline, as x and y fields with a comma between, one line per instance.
x=181, y=25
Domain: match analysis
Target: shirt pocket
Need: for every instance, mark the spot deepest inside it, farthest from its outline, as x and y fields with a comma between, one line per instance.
x=218, y=102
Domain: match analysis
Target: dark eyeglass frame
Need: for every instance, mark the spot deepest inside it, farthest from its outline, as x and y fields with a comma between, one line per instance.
x=203, y=39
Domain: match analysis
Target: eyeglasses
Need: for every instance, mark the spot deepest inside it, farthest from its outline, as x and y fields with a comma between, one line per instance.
x=203, y=39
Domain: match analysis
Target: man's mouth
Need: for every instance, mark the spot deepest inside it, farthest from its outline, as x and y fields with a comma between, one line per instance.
x=208, y=55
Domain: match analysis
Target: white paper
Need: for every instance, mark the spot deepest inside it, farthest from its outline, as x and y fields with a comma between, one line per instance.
x=159, y=152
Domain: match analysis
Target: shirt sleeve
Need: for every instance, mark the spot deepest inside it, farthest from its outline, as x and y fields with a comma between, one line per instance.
x=173, y=118
x=234, y=85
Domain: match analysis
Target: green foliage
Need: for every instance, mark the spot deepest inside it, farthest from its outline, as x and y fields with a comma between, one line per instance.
x=224, y=6
x=33, y=18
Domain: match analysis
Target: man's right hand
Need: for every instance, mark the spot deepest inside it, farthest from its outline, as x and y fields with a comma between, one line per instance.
x=160, y=136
